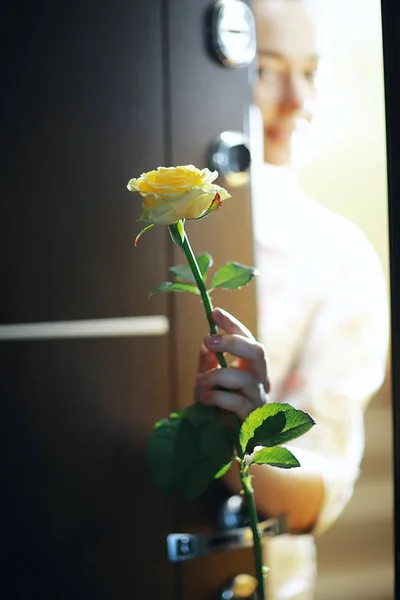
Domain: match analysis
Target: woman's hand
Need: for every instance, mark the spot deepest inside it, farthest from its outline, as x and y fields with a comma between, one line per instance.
x=246, y=380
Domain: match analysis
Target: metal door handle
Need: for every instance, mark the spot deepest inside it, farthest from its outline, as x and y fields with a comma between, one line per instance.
x=185, y=546
x=232, y=513
x=229, y=153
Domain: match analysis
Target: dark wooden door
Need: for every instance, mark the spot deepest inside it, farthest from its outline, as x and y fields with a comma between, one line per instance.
x=82, y=111
x=94, y=94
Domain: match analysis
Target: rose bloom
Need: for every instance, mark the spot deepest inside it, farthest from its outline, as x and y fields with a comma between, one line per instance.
x=174, y=193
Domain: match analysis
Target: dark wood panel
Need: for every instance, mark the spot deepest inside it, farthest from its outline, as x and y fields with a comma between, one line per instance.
x=80, y=517
x=81, y=113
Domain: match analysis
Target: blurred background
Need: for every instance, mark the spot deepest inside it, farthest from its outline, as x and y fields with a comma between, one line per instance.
x=345, y=170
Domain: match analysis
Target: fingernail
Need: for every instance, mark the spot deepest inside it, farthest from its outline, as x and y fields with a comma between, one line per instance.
x=219, y=312
x=213, y=340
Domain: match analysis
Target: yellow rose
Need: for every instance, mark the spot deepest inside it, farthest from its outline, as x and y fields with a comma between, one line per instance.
x=174, y=193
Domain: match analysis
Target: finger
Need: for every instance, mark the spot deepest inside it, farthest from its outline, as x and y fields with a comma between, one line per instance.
x=229, y=323
x=207, y=359
x=228, y=401
x=234, y=379
x=248, y=349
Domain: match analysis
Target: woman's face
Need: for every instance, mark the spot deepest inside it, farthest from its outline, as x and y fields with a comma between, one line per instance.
x=288, y=59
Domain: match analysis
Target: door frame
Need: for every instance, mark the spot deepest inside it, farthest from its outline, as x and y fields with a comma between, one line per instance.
x=391, y=58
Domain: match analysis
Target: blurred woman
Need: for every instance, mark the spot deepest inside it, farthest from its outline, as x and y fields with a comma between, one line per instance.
x=322, y=314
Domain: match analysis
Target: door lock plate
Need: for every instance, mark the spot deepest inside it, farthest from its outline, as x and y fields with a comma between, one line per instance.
x=185, y=546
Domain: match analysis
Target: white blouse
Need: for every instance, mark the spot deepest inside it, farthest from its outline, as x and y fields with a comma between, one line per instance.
x=323, y=317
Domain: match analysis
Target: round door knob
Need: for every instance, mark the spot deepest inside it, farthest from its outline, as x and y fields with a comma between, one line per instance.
x=229, y=154
x=241, y=586
x=232, y=513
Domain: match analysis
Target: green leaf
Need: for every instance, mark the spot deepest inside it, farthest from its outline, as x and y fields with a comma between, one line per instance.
x=223, y=470
x=171, y=452
x=201, y=414
x=139, y=235
x=214, y=447
x=177, y=232
x=211, y=439
x=188, y=449
x=184, y=272
x=204, y=471
x=205, y=261
x=181, y=230
x=174, y=415
x=176, y=286
x=211, y=434
x=199, y=478
x=256, y=431
x=298, y=422
x=277, y=457
x=177, y=414
x=233, y=276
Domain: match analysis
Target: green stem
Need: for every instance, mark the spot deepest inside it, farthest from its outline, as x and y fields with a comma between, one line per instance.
x=253, y=518
x=203, y=291
x=208, y=308
x=244, y=475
